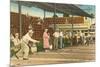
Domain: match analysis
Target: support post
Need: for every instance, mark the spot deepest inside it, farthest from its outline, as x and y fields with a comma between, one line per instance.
x=20, y=19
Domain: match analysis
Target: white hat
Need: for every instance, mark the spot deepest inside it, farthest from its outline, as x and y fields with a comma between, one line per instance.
x=46, y=29
x=30, y=31
x=16, y=34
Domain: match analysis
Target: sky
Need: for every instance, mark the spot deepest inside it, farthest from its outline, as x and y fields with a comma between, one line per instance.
x=88, y=8
x=33, y=11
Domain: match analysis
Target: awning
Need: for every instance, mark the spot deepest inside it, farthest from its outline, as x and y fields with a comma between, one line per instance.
x=60, y=8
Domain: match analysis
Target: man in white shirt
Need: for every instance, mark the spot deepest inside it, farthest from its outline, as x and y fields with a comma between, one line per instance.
x=16, y=39
x=56, y=36
x=25, y=40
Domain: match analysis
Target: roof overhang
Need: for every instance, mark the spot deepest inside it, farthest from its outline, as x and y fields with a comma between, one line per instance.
x=60, y=8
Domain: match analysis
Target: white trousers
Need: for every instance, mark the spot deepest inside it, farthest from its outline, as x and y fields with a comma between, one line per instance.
x=25, y=49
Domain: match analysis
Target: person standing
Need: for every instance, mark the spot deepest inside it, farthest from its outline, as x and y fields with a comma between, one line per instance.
x=56, y=37
x=87, y=37
x=16, y=40
x=50, y=41
x=17, y=44
x=11, y=40
x=82, y=38
x=24, y=42
x=75, y=39
x=70, y=38
x=11, y=45
x=78, y=39
x=46, y=40
x=61, y=39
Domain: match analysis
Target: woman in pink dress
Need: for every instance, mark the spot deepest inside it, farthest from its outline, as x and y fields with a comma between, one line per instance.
x=46, y=40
